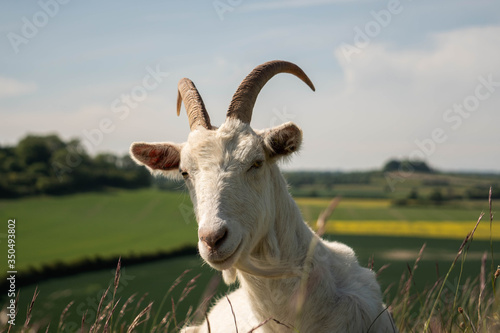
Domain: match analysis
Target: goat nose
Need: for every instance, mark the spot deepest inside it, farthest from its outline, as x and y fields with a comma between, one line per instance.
x=213, y=239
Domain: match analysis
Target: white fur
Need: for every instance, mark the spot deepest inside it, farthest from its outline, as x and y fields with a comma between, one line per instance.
x=284, y=270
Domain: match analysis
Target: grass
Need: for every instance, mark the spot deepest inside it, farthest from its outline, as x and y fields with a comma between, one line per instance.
x=108, y=224
x=121, y=222
x=151, y=280
x=116, y=223
x=460, y=305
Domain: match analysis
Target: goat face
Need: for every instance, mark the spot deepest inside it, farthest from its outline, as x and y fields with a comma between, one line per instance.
x=228, y=170
x=228, y=173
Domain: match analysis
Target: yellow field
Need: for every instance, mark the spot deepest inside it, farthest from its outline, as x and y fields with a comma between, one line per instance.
x=379, y=218
x=424, y=229
x=362, y=203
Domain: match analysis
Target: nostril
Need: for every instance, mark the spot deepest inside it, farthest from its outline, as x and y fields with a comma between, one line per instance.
x=219, y=241
x=213, y=239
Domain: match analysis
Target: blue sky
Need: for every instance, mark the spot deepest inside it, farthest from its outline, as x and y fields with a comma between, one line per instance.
x=393, y=78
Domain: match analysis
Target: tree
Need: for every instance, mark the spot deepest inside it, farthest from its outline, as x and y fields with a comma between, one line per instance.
x=436, y=196
x=406, y=166
x=33, y=149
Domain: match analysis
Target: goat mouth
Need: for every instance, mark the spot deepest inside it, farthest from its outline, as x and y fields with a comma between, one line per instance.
x=227, y=261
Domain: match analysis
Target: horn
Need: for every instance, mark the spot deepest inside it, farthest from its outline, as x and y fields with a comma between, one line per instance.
x=244, y=98
x=196, y=111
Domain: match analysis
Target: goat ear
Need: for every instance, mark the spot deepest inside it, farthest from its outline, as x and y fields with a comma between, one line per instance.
x=282, y=140
x=157, y=156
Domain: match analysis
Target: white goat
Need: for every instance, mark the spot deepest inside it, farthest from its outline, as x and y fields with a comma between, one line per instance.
x=251, y=229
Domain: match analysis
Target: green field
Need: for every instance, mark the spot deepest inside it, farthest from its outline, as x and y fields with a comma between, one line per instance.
x=121, y=223
x=108, y=224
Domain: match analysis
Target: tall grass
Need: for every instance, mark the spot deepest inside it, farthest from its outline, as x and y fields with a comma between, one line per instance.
x=461, y=305
x=446, y=306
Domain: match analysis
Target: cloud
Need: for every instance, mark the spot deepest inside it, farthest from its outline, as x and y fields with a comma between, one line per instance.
x=448, y=60
x=11, y=87
x=397, y=96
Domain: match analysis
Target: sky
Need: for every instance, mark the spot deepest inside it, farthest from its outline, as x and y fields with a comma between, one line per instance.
x=394, y=79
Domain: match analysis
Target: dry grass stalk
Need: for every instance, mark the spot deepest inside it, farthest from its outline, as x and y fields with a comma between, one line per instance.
x=116, y=282
x=124, y=306
x=30, y=308
x=490, y=205
x=268, y=320
x=63, y=316
x=177, y=281
x=325, y=215
x=381, y=269
x=137, y=321
x=467, y=319
x=208, y=323
x=94, y=327
x=108, y=319
x=173, y=314
x=84, y=317
x=469, y=236
x=405, y=291
x=234, y=316
x=140, y=302
x=386, y=309
x=188, y=288
x=172, y=287
x=482, y=286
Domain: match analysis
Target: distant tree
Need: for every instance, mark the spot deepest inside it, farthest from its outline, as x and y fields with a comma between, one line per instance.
x=392, y=165
x=413, y=194
x=436, y=196
x=406, y=166
x=33, y=149
x=418, y=166
x=48, y=165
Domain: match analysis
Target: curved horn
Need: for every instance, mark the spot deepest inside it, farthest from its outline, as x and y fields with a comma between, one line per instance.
x=196, y=111
x=244, y=98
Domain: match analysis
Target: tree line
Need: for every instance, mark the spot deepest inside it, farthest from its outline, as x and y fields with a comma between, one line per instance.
x=45, y=164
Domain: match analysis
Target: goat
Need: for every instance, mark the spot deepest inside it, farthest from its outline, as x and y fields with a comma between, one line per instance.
x=251, y=229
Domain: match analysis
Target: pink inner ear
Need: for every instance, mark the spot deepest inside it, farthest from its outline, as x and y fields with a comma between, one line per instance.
x=154, y=153
x=158, y=156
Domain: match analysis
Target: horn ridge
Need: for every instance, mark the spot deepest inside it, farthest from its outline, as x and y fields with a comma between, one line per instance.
x=244, y=98
x=195, y=108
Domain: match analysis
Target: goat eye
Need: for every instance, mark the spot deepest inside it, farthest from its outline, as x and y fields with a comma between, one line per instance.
x=184, y=174
x=257, y=164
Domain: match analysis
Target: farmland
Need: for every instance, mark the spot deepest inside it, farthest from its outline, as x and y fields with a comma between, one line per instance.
x=117, y=223
x=125, y=223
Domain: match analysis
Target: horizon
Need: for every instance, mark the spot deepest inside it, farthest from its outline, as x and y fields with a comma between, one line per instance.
x=287, y=165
